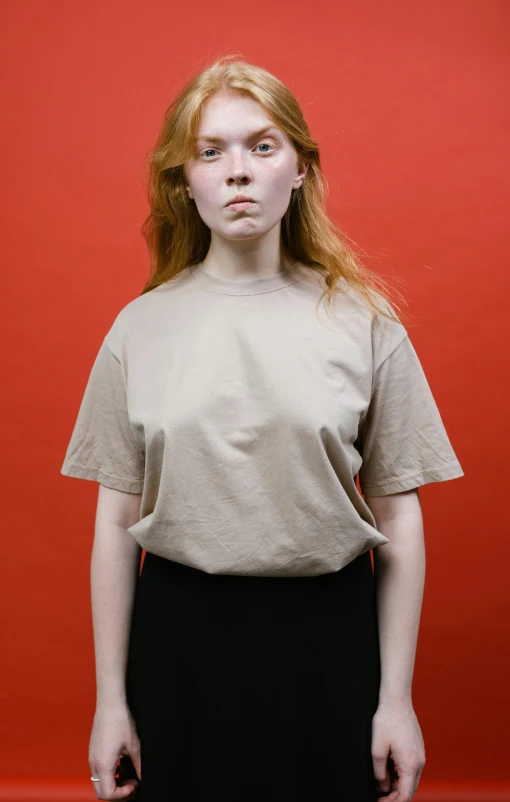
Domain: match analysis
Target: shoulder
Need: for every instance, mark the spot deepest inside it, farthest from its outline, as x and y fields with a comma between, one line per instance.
x=386, y=330
x=141, y=312
x=378, y=334
x=386, y=334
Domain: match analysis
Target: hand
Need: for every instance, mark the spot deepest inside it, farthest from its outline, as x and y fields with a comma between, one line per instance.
x=113, y=736
x=396, y=736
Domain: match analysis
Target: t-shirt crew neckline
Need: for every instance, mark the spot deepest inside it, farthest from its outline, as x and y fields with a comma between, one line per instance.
x=251, y=286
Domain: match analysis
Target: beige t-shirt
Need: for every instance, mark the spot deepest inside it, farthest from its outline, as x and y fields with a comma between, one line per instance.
x=243, y=414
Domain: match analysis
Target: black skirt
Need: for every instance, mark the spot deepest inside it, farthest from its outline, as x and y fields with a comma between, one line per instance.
x=254, y=688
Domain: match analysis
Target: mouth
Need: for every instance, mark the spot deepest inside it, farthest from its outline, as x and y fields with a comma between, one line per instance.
x=239, y=206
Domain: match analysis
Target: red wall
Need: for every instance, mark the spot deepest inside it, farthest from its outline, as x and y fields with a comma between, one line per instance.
x=410, y=103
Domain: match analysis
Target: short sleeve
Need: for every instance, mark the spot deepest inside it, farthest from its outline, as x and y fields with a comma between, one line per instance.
x=103, y=445
x=402, y=439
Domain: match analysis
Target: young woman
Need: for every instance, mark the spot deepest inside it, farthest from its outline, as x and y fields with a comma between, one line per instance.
x=229, y=418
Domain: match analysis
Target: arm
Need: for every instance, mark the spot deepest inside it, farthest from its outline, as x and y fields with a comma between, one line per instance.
x=400, y=578
x=114, y=570
x=113, y=574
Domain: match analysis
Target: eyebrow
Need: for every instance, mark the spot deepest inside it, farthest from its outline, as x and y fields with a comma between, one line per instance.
x=251, y=135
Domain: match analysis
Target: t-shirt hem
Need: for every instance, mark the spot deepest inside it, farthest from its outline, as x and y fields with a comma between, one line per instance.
x=104, y=478
x=412, y=480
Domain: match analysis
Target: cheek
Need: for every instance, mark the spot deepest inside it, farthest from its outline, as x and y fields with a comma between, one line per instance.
x=203, y=185
x=278, y=176
x=200, y=180
x=276, y=193
x=206, y=194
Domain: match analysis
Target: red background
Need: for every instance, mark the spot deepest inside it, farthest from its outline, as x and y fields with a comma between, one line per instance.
x=410, y=103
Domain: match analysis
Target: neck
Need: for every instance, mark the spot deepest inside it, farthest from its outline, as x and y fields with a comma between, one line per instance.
x=246, y=262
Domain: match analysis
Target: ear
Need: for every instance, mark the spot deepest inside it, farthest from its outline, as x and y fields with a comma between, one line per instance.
x=300, y=177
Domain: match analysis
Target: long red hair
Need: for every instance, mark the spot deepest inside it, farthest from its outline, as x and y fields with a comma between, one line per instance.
x=175, y=234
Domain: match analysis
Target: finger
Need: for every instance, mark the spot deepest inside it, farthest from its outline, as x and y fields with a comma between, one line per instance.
x=384, y=781
x=106, y=788
x=128, y=781
x=391, y=789
x=97, y=785
x=405, y=785
x=121, y=792
x=137, y=763
x=417, y=780
x=384, y=785
x=381, y=771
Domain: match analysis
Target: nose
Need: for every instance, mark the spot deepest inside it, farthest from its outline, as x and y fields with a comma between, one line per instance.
x=238, y=170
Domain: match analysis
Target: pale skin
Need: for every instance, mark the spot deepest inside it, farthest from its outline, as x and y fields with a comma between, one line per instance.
x=247, y=244
x=400, y=578
x=244, y=244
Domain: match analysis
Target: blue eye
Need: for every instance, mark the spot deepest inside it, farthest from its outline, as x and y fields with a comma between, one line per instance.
x=213, y=150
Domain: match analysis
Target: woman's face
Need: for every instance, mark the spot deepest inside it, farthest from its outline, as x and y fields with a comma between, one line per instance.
x=233, y=157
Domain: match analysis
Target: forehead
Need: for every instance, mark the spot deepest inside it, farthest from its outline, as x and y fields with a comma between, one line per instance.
x=233, y=116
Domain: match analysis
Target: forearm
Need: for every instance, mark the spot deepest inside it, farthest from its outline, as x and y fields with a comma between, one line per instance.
x=400, y=577
x=113, y=574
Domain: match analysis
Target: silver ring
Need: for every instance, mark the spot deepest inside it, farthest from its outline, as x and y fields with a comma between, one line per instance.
x=95, y=779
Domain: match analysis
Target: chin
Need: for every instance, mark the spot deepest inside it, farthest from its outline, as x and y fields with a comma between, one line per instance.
x=246, y=229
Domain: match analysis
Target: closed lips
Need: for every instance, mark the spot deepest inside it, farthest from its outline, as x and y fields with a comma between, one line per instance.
x=240, y=199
